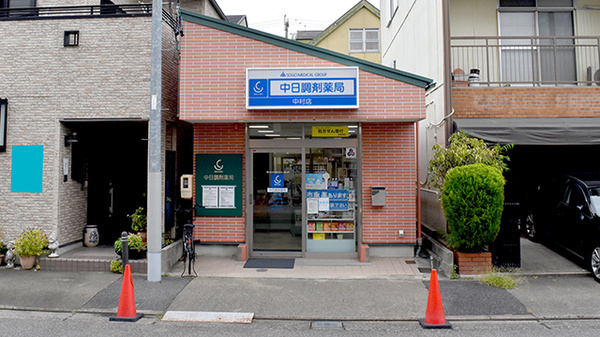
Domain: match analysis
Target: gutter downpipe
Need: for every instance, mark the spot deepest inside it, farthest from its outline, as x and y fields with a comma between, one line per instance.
x=418, y=184
x=447, y=70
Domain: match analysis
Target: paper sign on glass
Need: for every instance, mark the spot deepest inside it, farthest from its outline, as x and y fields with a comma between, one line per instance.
x=312, y=206
x=323, y=204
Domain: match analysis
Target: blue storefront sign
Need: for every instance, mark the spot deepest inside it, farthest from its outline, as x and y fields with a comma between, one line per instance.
x=302, y=88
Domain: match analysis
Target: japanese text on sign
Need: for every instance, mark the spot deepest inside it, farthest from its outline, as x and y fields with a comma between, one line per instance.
x=330, y=131
x=311, y=87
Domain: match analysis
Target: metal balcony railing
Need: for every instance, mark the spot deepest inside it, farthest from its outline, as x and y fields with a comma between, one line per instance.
x=75, y=11
x=526, y=61
x=78, y=12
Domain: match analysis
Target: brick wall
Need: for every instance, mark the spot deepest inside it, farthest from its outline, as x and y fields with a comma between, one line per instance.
x=220, y=138
x=388, y=159
x=107, y=76
x=213, y=75
x=526, y=102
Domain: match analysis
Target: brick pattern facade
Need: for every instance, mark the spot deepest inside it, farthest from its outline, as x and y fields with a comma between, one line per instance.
x=526, y=102
x=213, y=87
x=473, y=263
x=389, y=159
x=220, y=138
x=106, y=76
x=213, y=73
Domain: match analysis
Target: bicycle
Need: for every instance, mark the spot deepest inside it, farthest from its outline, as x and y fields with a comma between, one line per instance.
x=189, y=251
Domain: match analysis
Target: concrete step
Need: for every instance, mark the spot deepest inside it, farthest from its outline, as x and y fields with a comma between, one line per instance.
x=90, y=265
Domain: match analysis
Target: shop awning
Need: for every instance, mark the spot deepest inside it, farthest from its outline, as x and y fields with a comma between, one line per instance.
x=533, y=131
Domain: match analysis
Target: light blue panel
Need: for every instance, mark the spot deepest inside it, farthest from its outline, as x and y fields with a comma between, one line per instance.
x=27, y=168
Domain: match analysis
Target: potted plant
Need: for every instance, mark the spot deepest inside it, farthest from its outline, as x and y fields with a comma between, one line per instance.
x=3, y=250
x=137, y=248
x=29, y=245
x=473, y=200
x=139, y=223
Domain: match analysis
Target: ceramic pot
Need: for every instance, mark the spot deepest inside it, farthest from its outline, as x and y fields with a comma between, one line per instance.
x=27, y=262
x=90, y=236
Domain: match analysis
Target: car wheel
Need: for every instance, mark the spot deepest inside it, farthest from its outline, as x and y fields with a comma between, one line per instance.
x=595, y=263
x=530, y=228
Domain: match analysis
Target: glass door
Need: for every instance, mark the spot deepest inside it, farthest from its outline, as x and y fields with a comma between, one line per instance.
x=277, y=200
x=331, y=176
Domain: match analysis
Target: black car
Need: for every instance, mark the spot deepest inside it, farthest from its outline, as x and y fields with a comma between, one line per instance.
x=565, y=211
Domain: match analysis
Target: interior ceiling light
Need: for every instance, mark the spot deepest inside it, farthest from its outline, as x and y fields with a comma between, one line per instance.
x=258, y=126
x=265, y=131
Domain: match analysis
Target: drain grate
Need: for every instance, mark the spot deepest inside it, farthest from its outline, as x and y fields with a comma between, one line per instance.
x=425, y=270
x=326, y=324
x=410, y=262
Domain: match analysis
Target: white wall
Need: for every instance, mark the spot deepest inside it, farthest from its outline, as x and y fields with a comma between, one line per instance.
x=413, y=38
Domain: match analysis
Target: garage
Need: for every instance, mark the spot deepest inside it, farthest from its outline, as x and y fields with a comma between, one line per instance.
x=543, y=148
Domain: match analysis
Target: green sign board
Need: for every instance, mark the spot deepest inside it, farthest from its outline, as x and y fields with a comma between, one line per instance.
x=219, y=184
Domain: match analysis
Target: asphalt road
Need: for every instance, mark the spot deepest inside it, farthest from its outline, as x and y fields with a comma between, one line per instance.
x=25, y=324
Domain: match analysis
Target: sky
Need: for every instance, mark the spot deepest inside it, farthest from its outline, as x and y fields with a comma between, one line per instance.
x=268, y=15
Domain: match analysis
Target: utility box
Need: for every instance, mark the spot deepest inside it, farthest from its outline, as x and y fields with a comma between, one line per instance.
x=186, y=186
x=378, y=195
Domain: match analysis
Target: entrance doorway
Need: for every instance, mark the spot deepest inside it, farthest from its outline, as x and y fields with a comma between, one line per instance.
x=277, y=206
x=110, y=159
x=303, y=183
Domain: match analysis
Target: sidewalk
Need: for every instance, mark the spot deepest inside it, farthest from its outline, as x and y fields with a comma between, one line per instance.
x=382, y=289
x=342, y=269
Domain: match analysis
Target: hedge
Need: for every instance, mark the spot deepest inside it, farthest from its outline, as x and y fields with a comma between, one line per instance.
x=473, y=200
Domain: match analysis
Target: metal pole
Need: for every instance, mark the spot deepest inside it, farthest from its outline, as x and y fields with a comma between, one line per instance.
x=154, y=148
x=124, y=249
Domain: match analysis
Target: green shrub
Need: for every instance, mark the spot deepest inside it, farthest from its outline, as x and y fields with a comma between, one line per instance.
x=464, y=150
x=134, y=242
x=139, y=220
x=31, y=242
x=3, y=248
x=473, y=199
x=116, y=266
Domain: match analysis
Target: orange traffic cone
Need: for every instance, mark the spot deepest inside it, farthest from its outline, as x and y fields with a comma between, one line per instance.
x=126, y=311
x=434, y=317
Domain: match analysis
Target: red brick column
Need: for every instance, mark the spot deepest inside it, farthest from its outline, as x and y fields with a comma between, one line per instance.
x=473, y=263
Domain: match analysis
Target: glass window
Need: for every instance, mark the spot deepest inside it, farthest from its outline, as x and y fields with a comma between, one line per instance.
x=533, y=3
x=526, y=59
x=297, y=131
x=392, y=9
x=575, y=197
x=331, y=176
x=279, y=131
x=3, y=112
x=364, y=40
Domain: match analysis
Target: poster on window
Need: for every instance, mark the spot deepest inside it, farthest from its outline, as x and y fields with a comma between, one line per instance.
x=323, y=204
x=312, y=206
x=315, y=181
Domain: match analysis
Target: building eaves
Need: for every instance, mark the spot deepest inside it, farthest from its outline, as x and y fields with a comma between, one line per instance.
x=349, y=14
x=307, y=34
x=308, y=49
x=237, y=19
